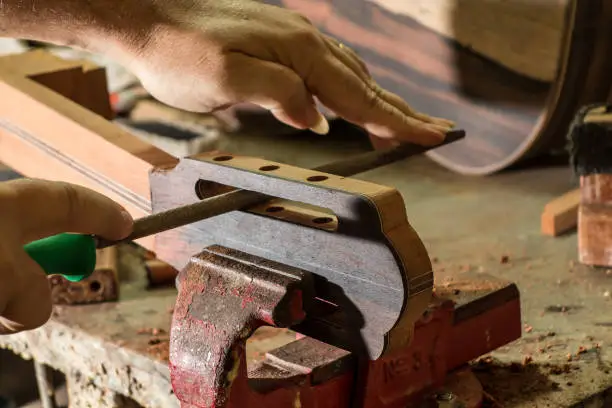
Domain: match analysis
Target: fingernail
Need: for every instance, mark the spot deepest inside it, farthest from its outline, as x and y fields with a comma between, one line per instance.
x=443, y=122
x=439, y=128
x=322, y=126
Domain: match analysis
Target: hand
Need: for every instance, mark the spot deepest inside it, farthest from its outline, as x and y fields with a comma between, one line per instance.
x=205, y=55
x=34, y=209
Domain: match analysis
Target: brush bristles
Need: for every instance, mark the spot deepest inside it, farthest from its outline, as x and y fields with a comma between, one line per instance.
x=590, y=144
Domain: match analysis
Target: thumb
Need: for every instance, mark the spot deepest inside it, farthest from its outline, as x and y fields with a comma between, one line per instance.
x=278, y=89
x=27, y=304
x=44, y=208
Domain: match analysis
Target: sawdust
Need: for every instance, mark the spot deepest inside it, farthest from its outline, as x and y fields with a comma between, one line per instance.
x=466, y=285
x=160, y=350
x=157, y=343
x=519, y=382
x=153, y=331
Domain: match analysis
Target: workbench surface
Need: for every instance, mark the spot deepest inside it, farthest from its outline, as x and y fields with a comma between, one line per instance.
x=488, y=225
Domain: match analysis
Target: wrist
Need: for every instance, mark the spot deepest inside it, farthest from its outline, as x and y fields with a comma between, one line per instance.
x=117, y=33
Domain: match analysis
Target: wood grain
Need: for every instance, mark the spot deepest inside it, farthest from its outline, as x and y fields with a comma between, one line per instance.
x=509, y=117
x=67, y=141
x=489, y=28
x=374, y=266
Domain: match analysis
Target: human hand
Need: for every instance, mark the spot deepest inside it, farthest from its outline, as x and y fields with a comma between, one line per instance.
x=35, y=209
x=205, y=55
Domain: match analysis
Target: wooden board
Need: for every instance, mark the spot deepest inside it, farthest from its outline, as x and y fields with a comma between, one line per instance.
x=508, y=115
x=45, y=132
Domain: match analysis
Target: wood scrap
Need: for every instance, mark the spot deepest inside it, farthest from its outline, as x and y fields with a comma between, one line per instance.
x=150, y=109
x=177, y=132
x=159, y=273
x=561, y=214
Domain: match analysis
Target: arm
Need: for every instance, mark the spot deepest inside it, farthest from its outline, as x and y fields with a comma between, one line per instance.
x=204, y=55
x=75, y=23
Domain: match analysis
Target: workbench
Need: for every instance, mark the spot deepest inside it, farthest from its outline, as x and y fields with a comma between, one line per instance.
x=469, y=225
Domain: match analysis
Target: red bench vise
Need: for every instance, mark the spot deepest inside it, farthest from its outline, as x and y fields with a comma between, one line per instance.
x=335, y=260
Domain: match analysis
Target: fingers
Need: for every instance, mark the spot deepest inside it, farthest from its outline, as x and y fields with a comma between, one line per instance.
x=44, y=208
x=380, y=144
x=25, y=302
x=344, y=84
x=348, y=57
x=365, y=104
x=277, y=89
x=403, y=106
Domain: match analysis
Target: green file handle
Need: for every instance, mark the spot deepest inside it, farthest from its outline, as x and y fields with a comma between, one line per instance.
x=71, y=255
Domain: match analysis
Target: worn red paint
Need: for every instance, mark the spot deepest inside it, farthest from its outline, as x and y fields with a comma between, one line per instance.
x=442, y=343
x=212, y=323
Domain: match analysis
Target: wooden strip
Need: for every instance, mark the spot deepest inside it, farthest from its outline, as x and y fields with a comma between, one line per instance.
x=561, y=214
x=44, y=134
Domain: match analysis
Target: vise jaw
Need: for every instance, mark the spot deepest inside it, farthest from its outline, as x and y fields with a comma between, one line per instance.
x=333, y=258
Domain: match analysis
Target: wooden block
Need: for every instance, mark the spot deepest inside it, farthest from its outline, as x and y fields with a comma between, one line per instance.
x=160, y=273
x=595, y=220
x=590, y=142
x=561, y=214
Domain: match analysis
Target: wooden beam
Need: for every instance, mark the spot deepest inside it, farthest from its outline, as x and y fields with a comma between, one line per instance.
x=561, y=214
x=45, y=133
